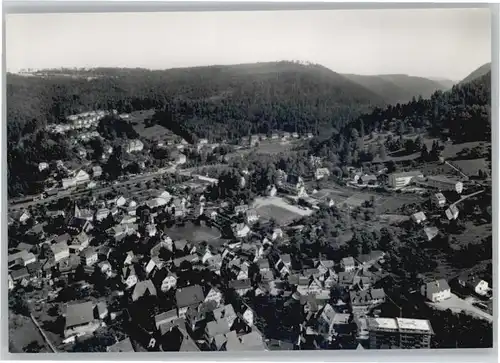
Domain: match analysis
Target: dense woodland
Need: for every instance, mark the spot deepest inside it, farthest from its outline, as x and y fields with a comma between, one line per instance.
x=228, y=102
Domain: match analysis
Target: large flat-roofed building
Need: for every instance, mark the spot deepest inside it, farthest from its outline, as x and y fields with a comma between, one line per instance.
x=399, y=180
x=399, y=333
x=442, y=182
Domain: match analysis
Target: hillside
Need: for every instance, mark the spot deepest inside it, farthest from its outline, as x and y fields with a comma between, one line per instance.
x=481, y=71
x=214, y=101
x=462, y=114
x=399, y=88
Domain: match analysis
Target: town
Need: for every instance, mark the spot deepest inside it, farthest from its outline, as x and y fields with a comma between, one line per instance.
x=208, y=250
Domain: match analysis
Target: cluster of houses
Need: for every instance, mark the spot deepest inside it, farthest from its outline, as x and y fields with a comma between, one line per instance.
x=85, y=120
x=254, y=140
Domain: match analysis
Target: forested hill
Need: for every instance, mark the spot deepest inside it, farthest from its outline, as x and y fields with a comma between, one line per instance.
x=462, y=114
x=214, y=101
x=399, y=88
x=481, y=71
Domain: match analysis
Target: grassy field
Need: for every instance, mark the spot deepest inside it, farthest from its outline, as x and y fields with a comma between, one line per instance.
x=193, y=233
x=471, y=167
x=472, y=234
x=22, y=332
x=451, y=150
x=278, y=209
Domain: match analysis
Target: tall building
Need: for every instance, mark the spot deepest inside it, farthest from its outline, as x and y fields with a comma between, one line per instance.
x=399, y=180
x=399, y=333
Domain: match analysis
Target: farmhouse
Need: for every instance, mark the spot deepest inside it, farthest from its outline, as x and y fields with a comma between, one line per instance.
x=438, y=200
x=134, y=145
x=452, y=212
x=442, y=182
x=419, y=217
x=321, y=173
x=436, y=291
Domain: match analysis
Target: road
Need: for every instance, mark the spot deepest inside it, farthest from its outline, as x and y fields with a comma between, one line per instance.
x=101, y=190
x=47, y=340
x=457, y=304
x=467, y=196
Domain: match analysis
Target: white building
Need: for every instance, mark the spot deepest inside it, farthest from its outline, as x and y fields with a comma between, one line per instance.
x=439, y=200
x=134, y=146
x=436, y=291
x=321, y=173
x=399, y=180
x=442, y=182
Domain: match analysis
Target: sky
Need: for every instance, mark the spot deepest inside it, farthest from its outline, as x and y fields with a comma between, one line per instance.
x=440, y=43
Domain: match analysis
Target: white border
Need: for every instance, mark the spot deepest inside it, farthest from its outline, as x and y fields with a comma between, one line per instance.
x=457, y=355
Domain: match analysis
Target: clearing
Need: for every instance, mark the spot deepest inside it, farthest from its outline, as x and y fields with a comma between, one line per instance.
x=471, y=167
x=277, y=208
x=154, y=133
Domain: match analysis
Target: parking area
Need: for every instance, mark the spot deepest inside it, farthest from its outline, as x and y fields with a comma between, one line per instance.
x=457, y=304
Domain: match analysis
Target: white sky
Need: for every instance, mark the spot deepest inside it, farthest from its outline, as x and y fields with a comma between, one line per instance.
x=447, y=43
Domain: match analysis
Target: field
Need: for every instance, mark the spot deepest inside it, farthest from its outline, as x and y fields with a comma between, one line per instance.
x=155, y=132
x=471, y=167
x=22, y=332
x=472, y=234
x=278, y=209
x=451, y=150
x=193, y=233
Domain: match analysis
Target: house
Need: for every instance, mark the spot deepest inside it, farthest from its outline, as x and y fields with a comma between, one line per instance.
x=452, y=212
x=438, y=200
x=286, y=259
x=102, y=214
x=191, y=296
x=121, y=230
x=214, y=297
x=263, y=265
x=24, y=216
x=151, y=230
x=80, y=319
x=348, y=264
x=168, y=280
x=80, y=242
x=368, y=260
x=251, y=216
x=121, y=201
x=143, y=288
x=78, y=225
x=225, y=312
x=329, y=319
x=129, y=258
x=96, y=171
x=252, y=341
x=60, y=251
x=419, y=217
x=437, y=290
x=166, y=320
x=42, y=166
x=430, y=233
x=105, y=268
x=11, y=282
x=123, y=346
x=101, y=310
x=82, y=177
x=441, y=182
x=367, y=179
x=240, y=230
x=362, y=301
x=134, y=146
x=241, y=286
x=476, y=284
x=129, y=276
x=19, y=275
x=399, y=180
x=215, y=328
x=89, y=256
x=321, y=173
x=28, y=258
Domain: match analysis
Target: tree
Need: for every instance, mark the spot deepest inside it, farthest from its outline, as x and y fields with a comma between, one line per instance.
x=424, y=154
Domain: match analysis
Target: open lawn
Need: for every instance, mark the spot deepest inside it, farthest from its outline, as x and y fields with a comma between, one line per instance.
x=22, y=332
x=471, y=167
x=451, y=150
x=278, y=209
x=193, y=233
x=389, y=204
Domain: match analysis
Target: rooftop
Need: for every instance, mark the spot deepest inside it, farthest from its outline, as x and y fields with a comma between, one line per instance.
x=79, y=314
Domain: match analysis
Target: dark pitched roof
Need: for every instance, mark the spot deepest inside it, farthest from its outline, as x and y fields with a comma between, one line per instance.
x=123, y=346
x=437, y=286
x=189, y=296
x=19, y=274
x=240, y=284
x=79, y=314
